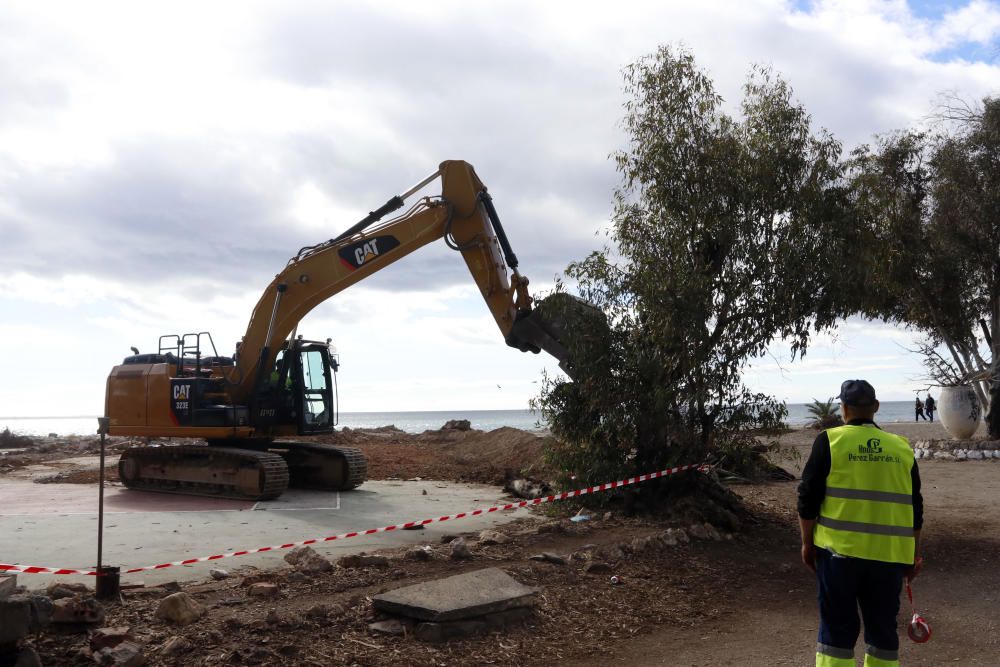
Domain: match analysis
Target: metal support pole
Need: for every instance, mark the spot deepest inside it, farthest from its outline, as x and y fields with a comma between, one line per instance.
x=107, y=577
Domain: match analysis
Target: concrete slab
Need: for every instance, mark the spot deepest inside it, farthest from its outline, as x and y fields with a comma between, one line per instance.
x=465, y=595
x=55, y=525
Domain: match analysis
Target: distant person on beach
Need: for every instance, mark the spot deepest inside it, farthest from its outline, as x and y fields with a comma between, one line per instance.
x=860, y=515
x=929, y=405
x=919, y=407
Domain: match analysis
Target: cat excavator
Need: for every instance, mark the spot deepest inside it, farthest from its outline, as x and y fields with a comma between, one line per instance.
x=248, y=407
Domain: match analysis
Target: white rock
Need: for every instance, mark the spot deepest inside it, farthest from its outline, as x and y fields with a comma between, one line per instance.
x=680, y=534
x=219, y=573
x=488, y=537
x=669, y=539
x=704, y=531
x=174, y=646
x=961, y=455
x=305, y=559
x=180, y=608
x=974, y=454
x=460, y=549
x=126, y=654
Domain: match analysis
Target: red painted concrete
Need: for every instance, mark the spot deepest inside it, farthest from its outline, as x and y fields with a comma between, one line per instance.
x=22, y=497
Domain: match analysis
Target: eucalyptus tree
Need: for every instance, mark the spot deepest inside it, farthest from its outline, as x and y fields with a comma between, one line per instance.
x=718, y=246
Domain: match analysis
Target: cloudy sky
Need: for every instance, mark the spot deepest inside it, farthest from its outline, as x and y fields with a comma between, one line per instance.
x=160, y=162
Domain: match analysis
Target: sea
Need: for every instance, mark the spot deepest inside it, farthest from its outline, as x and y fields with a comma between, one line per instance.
x=416, y=422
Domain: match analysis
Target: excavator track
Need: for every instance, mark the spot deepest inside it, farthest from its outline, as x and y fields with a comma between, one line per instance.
x=219, y=472
x=314, y=465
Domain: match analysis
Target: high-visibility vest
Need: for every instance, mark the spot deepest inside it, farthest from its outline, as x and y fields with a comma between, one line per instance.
x=867, y=511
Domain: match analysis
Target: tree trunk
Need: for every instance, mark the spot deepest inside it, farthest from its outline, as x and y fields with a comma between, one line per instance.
x=993, y=416
x=966, y=368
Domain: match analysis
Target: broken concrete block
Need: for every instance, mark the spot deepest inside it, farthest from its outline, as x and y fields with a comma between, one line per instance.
x=596, y=567
x=219, y=574
x=458, y=597
x=263, y=590
x=109, y=637
x=65, y=589
x=77, y=611
x=498, y=621
x=363, y=560
x=436, y=633
x=502, y=620
x=180, y=608
x=305, y=559
x=126, y=654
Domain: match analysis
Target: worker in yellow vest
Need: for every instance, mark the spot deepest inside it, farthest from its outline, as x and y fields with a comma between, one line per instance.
x=860, y=514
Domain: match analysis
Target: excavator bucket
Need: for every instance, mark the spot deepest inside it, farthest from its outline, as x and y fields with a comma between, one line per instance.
x=565, y=326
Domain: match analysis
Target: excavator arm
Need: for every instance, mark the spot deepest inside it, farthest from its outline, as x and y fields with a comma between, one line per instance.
x=463, y=215
x=246, y=407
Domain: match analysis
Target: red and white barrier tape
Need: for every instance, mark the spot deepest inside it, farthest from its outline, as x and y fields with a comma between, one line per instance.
x=32, y=569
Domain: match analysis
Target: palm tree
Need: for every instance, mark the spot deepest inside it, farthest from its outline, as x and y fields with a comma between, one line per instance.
x=825, y=413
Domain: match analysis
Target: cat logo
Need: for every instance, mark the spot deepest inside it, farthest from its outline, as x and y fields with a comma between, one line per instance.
x=361, y=252
x=366, y=252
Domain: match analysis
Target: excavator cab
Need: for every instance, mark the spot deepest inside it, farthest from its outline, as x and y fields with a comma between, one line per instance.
x=299, y=397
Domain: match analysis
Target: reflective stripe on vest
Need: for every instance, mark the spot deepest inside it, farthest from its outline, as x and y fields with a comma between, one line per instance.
x=867, y=511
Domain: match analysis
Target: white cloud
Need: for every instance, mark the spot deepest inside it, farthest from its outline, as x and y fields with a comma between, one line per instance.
x=160, y=163
x=978, y=22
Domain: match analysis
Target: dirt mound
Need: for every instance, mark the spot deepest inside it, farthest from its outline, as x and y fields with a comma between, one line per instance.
x=446, y=454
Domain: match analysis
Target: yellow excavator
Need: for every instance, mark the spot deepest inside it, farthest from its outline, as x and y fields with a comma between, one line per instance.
x=278, y=385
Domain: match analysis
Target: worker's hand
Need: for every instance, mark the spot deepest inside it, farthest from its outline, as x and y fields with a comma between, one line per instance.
x=911, y=571
x=809, y=556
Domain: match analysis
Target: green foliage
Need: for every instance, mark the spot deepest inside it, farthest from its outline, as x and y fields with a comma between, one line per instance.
x=718, y=246
x=926, y=239
x=825, y=414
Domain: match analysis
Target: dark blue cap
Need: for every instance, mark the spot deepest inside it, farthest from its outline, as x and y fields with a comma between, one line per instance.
x=857, y=392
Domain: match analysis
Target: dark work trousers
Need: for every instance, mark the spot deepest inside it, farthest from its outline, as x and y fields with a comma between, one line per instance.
x=847, y=583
